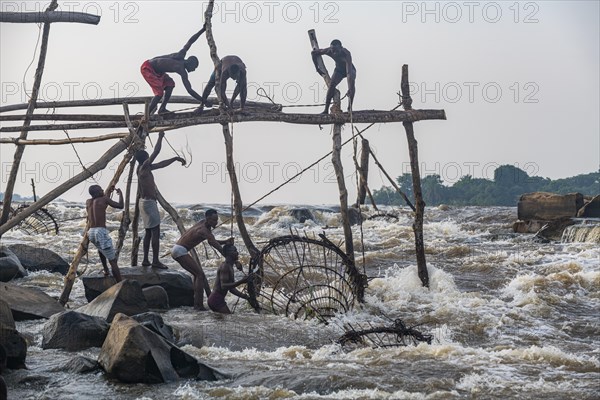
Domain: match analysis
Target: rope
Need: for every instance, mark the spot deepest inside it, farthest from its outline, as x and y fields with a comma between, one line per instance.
x=32, y=58
x=79, y=158
x=359, y=178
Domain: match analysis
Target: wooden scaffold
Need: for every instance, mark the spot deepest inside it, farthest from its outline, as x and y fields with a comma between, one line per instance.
x=137, y=127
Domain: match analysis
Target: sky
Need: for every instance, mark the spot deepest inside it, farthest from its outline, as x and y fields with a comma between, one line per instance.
x=519, y=82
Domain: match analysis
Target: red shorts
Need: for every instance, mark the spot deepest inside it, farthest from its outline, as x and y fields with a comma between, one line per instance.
x=158, y=82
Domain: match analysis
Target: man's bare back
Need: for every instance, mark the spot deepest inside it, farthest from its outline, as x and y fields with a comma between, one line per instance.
x=96, y=209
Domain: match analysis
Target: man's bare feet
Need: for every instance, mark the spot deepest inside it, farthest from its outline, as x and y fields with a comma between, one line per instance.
x=146, y=263
x=159, y=265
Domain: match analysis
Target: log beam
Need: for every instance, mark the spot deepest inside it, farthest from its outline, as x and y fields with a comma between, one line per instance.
x=49, y=17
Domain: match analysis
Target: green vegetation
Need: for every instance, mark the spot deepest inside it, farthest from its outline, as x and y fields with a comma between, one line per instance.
x=508, y=185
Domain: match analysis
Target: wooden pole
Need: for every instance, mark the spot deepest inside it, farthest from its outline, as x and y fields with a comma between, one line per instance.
x=136, y=239
x=49, y=16
x=57, y=142
x=99, y=165
x=126, y=215
x=336, y=152
x=10, y=185
x=416, y=179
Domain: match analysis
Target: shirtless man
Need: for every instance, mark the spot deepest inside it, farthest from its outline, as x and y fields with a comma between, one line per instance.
x=231, y=67
x=97, y=233
x=343, y=68
x=148, y=199
x=155, y=71
x=195, y=235
x=225, y=282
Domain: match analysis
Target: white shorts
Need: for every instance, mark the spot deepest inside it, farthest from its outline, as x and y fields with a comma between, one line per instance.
x=178, y=251
x=99, y=236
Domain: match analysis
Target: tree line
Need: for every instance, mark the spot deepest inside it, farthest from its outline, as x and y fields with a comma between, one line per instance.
x=508, y=185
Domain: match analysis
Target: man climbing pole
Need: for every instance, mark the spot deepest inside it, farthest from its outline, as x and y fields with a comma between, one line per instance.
x=231, y=67
x=343, y=69
x=155, y=71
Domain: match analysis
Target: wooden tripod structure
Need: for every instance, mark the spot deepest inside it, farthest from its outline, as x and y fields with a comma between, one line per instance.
x=139, y=127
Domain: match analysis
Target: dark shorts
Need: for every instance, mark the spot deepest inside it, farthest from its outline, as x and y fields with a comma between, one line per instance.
x=216, y=301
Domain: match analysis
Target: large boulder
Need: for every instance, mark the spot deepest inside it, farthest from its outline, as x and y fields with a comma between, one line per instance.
x=28, y=303
x=591, y=209
x=178, y=285
x=10, y=266
x=156, y=297
x=39, y=259
x=156, y=324
x=548, y=206
x=15, y=346
x=302, y=214
x=553, y=230
x=125, y=297
x=131, y=353
x=6, y=317
x=74, y=331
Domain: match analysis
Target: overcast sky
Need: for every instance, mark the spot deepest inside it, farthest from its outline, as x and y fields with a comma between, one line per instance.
x=519, y=82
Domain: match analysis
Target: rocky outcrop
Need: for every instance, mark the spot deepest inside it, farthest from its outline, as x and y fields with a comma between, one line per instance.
x=74, y=331
x=78, y=365
x=39, y=259
x=155, y=323
x=131, y=353
x=591, y=209
x=13, y=342
x=28, y=303
x=178, y=285
x=302, y=214
x=125, y=297
x=548, y=206
x=10, y=266
x=156, y=297
x=553, y=230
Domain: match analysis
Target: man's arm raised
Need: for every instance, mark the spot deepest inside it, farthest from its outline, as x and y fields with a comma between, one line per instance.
x=190, y=42
x=166, y=163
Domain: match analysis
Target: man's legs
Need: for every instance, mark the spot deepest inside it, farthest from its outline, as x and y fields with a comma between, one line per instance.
x=335, y=80
x=103, y=260
x=146, y=246
x=165, y=101
x=115, y=270
x=188, y=263
x=156, y=248
x=154, y=103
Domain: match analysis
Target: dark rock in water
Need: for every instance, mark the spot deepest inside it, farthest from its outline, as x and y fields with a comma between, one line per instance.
x=6, y=317
x=553, y=230
x=10, y=266
x=132, y=353
x=155, y=323
x=78, y=365
x=125, y=297
x=532, y=226
x=178, y=285
x=354, y=216
x=302, y=214
x=548, y=206
x=591, y=209
x=39, y=259
x=15, y=347
x=74, y=331
x=28, y=303
x=156, y=297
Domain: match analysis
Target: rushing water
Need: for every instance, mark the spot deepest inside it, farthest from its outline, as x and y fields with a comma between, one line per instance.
x=511, y=317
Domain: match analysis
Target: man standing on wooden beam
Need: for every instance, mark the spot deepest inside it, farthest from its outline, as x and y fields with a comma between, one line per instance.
x=155, y=71
x=231, y=67
x=343, y=69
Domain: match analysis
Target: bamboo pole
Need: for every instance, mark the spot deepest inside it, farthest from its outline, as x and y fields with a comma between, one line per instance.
x=336, y=152
x=56, y=142
x=126, y=215
x=416, y=179
x=10, y=185
x=359, y=117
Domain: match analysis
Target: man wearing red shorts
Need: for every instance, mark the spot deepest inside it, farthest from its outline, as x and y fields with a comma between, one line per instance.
x=155, y=71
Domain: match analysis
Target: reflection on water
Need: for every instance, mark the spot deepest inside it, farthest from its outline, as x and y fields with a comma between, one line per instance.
x=510, y=317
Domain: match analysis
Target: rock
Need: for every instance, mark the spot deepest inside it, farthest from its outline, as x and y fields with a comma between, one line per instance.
x=6, y=317
x=553, y=230
x=74, y=331
x=548, y=206
x=178, y=285
x=10, y=266
x=15, y=346
x=28, y=303
x=302, y=214
x=78, y=365
x=591, y=209
x=532, y=226
x=354, y=216
x=155, y=323
x=125, y=297
x=39, y=259
x=132, y=353
x=156, y=297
